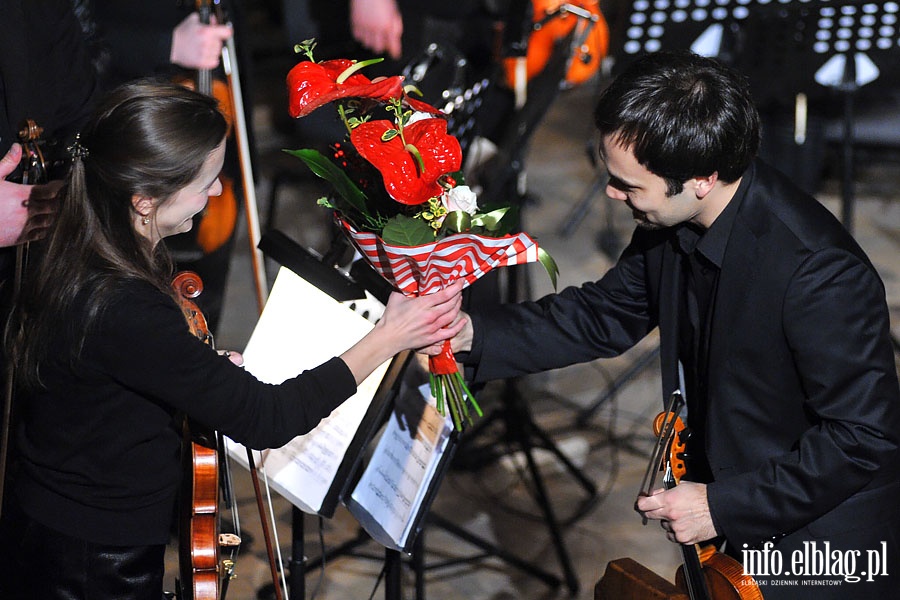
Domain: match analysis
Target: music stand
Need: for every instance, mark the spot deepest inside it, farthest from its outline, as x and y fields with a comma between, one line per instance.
x=321, y=273
x=835, y=48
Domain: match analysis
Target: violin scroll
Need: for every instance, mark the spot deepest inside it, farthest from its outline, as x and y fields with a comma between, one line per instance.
x=677, y=448
x=188, y=286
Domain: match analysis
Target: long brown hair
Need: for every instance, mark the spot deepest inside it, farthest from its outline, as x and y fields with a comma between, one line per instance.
x=148, y=138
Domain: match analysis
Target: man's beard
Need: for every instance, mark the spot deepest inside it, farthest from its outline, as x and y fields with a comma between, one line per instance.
x=641, y=220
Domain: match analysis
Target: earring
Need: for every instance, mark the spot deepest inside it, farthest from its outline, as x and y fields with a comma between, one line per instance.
x=145, y=220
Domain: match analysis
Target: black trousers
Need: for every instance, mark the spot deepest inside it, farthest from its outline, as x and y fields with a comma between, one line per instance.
x=38, y=563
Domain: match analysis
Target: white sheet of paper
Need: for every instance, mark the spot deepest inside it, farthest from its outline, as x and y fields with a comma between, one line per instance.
x=300, y=328
x=396, y=479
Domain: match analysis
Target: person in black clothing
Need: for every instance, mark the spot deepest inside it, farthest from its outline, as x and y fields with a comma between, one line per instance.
x=107, y=363
x=45, y=75
x=772, y=323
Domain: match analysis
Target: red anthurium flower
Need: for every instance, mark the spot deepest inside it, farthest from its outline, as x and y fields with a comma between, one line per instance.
x=405, y=179
x=420, y=106
x=311, y=85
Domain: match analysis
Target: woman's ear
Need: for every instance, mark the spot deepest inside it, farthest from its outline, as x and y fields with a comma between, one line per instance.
x=143, y=205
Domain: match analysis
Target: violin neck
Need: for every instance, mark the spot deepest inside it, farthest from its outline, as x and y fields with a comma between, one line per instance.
x=693, y=569
x=693, y=573
x=204, y=76
x=204, y=82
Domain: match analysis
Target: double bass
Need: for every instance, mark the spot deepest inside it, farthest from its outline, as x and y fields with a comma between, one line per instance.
x=706, y=573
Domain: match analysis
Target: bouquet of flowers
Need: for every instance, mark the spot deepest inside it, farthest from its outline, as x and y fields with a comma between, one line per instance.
x=400, y=196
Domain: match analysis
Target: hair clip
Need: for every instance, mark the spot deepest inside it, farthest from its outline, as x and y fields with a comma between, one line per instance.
x=76, y=150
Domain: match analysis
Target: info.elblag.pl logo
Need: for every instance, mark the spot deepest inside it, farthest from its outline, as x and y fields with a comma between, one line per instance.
x=815, y=561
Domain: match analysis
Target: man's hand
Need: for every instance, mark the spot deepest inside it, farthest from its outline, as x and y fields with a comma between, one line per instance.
x=683, y=511
x=377, y=25
x=461, y=342
x=26, y=211
x=196, y=45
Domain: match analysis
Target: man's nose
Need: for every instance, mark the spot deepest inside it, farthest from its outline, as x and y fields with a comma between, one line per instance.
x=615, y=194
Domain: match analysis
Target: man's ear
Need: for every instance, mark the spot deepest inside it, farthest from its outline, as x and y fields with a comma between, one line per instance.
x=704, y=185
x=143, y=205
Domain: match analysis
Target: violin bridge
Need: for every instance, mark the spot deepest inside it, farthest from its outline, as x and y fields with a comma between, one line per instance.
x=229, y=540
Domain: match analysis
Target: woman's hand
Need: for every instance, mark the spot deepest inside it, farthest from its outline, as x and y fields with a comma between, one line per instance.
x=235, y=357
x=407, y=324
x=423, y=320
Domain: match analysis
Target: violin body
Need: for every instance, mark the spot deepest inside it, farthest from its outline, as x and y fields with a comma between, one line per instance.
x=725, y=578
x=200, y=573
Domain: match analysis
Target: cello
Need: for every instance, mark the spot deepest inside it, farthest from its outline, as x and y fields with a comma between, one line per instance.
x=706, y=573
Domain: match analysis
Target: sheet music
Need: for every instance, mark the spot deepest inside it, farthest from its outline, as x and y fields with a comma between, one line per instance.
x=300, y=328
x=397, y=478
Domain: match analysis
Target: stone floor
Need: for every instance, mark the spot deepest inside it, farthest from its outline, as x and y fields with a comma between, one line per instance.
x=599, y=414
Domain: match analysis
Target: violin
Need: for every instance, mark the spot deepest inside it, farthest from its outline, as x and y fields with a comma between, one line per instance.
x=201, y=570
x=219, y=218
x=552, y=22
x=706, y=574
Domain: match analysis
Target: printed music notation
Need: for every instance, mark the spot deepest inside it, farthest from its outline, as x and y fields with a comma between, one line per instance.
x=390, y=493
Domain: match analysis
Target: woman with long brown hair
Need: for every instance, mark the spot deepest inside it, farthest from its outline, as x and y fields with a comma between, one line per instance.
x=106, y=362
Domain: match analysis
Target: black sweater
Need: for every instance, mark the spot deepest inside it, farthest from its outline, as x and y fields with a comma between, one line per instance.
x=100, y=446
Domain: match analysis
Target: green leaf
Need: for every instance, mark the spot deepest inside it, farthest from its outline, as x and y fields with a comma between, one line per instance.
x=321, y=166
x=457, y=221
x=406, y=231
x=549, y=265
x=490, y=221
x=356, y=67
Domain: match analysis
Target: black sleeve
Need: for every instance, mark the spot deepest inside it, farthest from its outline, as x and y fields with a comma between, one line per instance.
x=146, y=344
x=137, y=37
x=46, y=71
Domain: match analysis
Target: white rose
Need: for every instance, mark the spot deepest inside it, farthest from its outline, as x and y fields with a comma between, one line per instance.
x=419, y=116
x=461, y=198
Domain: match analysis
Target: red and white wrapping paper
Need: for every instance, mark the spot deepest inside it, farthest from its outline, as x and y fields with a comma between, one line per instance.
x=419, y=270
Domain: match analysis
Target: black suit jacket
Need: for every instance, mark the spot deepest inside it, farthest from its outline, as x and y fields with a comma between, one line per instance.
x=804, y=405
